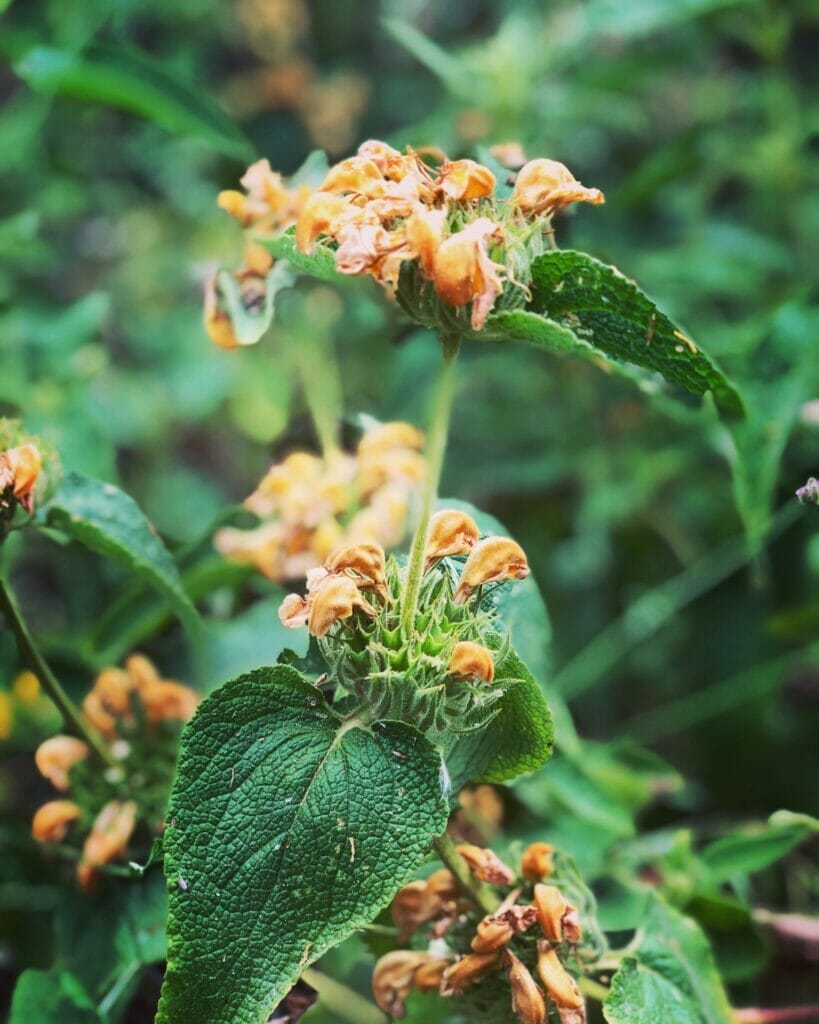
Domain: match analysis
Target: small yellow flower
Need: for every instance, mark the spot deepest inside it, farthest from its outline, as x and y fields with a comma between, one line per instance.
x=55, y=757
x=19, y=469
x=536, y=861
x=50, y=822
x=108, y=838
x=424, y=232
x=388, y=437
x=6, y=715
x=545, y=186
x=472, y=661
x=527, y=999
x=26, y=687
x=492, y=560
x=465, y=180
x=557, y=981
x=450, y=533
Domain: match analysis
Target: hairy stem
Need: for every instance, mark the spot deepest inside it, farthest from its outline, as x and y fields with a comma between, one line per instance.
x=477, y=891
x=435, y=449
x=31, y=656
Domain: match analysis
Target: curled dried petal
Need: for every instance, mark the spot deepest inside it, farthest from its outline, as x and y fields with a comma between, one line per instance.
x=465, y=180
x=396, y=974
x=558, y=919
x=424, y=232
x=334, y=599
x=463, y=271
x=294, y=611
x=55, y=757
x=536, y=862
x=527, y=999
x=107, y=839
x=367, y=560
x=557, y=981
x=322, y=214
x=493, y=934
x=472, y=661
x=51, y=821
x=357, y=174
x=469, y=969
x=19, y=470
x=486, y=865
x=451, y=532
x=492, y=560
x=544, y=186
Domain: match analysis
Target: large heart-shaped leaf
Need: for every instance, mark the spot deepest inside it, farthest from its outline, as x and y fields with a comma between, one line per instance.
x=591, y=305
x=105, y=519
x=670, y=978
x=288, y=829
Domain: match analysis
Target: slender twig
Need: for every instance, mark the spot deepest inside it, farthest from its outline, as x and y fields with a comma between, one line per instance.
x=343, y=1001
x=435, y=449
x=593, y=989
x=479, y=893
x=31, y=656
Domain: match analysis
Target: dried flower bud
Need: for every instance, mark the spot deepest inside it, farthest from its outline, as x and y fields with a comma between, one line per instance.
x=536, y=862
x=322, y=214
x=294, y=611
x=483, y=803
x=544, y=186
x=234, y=203
x=428, y=976
x=492, y=560
x=527, y=999
x=107, y=839
x=336, y=598
x=394, y=978
x=51, y=821
x=55, y=757
x=464, y=272
x=486, y=865
x=114, y=686
x=465, y=180
x=442, y=887
x=366, y=559
x=19, y=469
x=450, y=533
x=510, y=154
x=168, y=700
x=472, y=661
x=557, y=981
x=409, y=908
x=465, y=972
x=386, y=437
x=558, y=919
x=493, y=934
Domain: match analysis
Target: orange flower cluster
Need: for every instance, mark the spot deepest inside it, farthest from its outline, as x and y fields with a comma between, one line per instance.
x=382, y=209
x=310, y=506
x=19, y=470
x=120, y=701
x=438, y=899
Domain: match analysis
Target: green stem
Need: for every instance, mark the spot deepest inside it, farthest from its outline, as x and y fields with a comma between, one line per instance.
x=477, y=891
x=593, y=989
x=32, y=657
x=321, y=384
x=435, y=449
x=341, y=1000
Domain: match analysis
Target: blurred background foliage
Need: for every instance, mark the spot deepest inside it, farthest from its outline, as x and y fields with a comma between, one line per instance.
x=681, y=579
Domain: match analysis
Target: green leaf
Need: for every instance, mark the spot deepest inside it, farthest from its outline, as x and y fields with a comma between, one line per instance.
x=44, y=997
x=670, y=978
x=319, y=263
x=130, y=80
x=518, y=740
x=105, y=519
x=288, y=829
x=738, y=854
x=249, y=327
x=588, y=306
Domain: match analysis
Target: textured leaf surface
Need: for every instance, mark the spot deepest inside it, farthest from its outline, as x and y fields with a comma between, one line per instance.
x=105, y=519
x=125, y=78
x=519, y=739
x=319, y=263
x=671, y=977
x=287, y=830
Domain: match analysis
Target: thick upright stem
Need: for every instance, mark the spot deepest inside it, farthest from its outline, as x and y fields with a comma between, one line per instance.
x=435, y=449
x=32, y=657
x=481, y=895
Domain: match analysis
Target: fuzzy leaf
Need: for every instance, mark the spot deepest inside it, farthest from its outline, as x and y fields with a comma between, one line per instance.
x=670, y=978
x=590, y=307
x=105, y=519
x=319, y=263
x=288, y=829
x=518, y=740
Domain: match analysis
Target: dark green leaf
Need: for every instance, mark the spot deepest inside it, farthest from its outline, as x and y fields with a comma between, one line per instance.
x=287, y=830
x=128, y=79
x=48, y=997
x=587, y=304
x=319, y=263
x=739, y=854
x=670, y=978
x=105, y=519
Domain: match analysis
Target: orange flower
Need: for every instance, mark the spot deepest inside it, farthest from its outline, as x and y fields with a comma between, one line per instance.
x=366, y=560
x=536, y=861
x=469, y=969
x=418, y=902
x=492, y=560
x=387, y=437
x=398, y=972
x=107, y=839
x=472, y=661
x=19, y=469
x=169, y=700
x=55, y=757
x=357, y=175
x=334, y=599
x=463, y=271
x=294, y=611
x=424, y=232
x=51, y=821
x=557, y=981
x=527, y=999
x=465, y=180
x=323, y=213
x=486, y=865
x=545, y=186
x=450, y=533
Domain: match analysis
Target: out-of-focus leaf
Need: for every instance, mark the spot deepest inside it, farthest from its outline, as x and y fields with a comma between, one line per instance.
x=105, y=519
x=45, y=997
x=744, y=854
x=128, y=79
x=249, y=327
